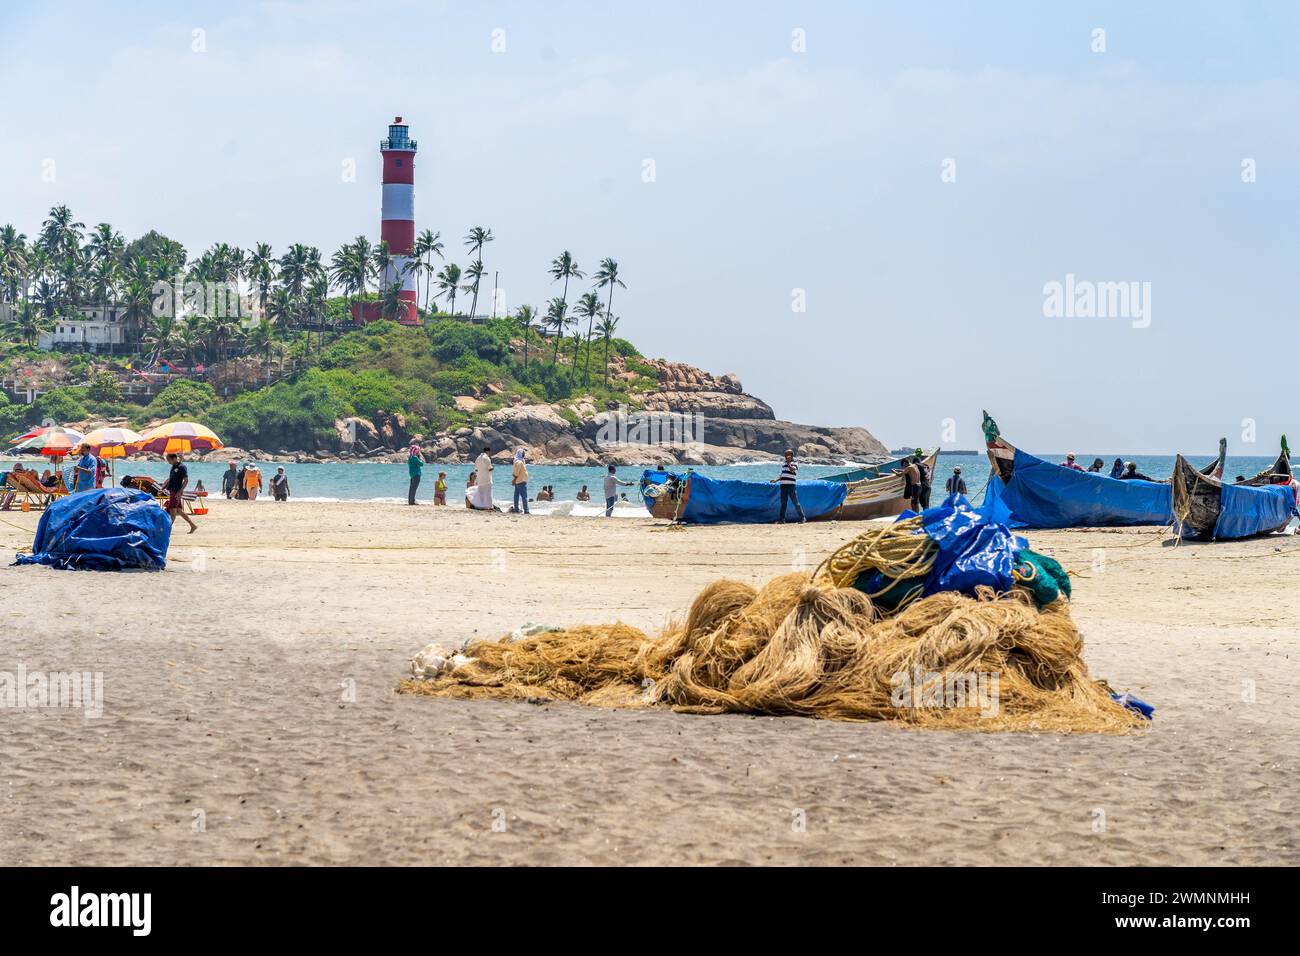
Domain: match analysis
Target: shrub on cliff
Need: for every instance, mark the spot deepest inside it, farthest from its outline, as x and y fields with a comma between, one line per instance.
x=183, y=400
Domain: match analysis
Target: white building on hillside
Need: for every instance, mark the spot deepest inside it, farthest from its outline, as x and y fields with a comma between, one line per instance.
x=95, y=328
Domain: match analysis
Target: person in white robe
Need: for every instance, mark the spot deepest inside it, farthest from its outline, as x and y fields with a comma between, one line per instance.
x=482, y=493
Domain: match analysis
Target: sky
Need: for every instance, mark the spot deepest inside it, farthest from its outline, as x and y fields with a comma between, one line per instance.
x=858, y=208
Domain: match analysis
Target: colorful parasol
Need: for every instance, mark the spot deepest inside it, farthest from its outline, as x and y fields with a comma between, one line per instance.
x=112, y=442
x=180, y=437
x=51, y=442
x=37, y=432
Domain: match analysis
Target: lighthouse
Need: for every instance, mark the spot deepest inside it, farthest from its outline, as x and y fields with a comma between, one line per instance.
x=397, y=221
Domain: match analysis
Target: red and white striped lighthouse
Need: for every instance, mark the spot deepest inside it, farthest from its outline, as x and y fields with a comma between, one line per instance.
x=397, y=220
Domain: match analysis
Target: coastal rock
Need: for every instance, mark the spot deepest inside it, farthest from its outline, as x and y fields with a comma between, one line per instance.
x=528, y=425
x=710, y=404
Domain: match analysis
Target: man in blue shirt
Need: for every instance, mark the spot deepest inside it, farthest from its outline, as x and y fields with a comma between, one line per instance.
x=83, y=475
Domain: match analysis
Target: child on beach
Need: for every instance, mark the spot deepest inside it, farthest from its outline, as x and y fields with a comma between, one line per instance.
x=440, y=489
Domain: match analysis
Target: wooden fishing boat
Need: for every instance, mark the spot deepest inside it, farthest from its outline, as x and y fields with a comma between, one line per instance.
x=1206, y=508
x=880, y=497
x=1035, y=493
x=877, y=494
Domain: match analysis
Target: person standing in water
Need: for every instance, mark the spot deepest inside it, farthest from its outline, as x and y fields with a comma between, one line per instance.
x=280, y=485
x=519, y=481
x=230, y=481
x=612, y=481
x=414, y=471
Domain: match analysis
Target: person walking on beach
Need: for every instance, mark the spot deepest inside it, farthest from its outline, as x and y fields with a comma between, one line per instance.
x=230, y=480
x=83, y=475
x=519, y=480
x=440, y=489
x=612, y=481
x=956, y=485
x=101, y=471
x=414, y=470
x=911, y=484
x=280, y=485
x=177, y=479
x=786, y=480
x=252, y=480
x=483, y=482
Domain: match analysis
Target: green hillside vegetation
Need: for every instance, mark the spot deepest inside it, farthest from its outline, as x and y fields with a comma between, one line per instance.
x=240, y=318
x=381, y=367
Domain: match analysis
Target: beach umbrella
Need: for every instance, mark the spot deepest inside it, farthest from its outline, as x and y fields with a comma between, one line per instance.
x=38, y=432
x=180, y=437
x=111, y=442
x=51, y=442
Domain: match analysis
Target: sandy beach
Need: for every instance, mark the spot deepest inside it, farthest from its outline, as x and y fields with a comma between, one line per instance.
x=250, y=714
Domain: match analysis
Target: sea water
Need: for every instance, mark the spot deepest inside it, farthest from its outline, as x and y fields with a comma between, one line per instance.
x=371, y=481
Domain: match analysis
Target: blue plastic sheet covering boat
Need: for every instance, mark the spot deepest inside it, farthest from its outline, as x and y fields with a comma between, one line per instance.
x=1210, y=509
x=109, y=529
x=1245, y=511
x=1039, y=494
x=714, y=501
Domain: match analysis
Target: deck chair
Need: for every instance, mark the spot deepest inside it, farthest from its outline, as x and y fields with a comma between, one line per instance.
x=27, y=489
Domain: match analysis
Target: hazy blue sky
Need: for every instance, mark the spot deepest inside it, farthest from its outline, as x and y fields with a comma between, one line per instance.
x=775, y=170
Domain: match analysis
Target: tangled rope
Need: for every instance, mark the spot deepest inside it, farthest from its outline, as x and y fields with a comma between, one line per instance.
x=809, y=648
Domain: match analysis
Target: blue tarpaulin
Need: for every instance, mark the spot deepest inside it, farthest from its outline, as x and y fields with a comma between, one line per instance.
x=713, y=501
x=1244, y=511
x=1043, y=495
x=108, y=529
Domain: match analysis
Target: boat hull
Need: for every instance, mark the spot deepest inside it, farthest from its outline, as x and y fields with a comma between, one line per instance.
x=1206, y=509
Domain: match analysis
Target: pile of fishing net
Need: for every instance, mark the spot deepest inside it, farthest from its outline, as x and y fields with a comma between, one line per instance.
x=846, y=643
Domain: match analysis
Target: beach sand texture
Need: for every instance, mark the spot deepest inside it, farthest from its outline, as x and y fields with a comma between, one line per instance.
x=250, y=714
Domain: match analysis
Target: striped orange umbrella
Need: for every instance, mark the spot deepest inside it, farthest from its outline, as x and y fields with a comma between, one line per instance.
x=179, y=437
x=112, y=442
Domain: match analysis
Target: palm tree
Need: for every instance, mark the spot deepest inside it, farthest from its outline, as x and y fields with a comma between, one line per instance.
x=565, y=267
x=318, y=293
x=160, y=336
x=427, y=245
x=350, y=267
x=607, y=275
x=577, y=344
x=557, y=318
x=390, y=299
x=474, y=272
x=282, y=308
x=13, y=262
x=589, y=307
x=59, y=233
x=261, y=338
x=380, y=260
x=260, y=271
x=475, y=240
x=608, y=325
x=447, y=283
x=137, y=303
x=525, y=316
x=189, y=338
x=28, y=323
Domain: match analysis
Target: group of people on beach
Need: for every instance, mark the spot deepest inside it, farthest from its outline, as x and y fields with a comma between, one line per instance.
x=243, y=482
x=478, y=487
x=1121, y=470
